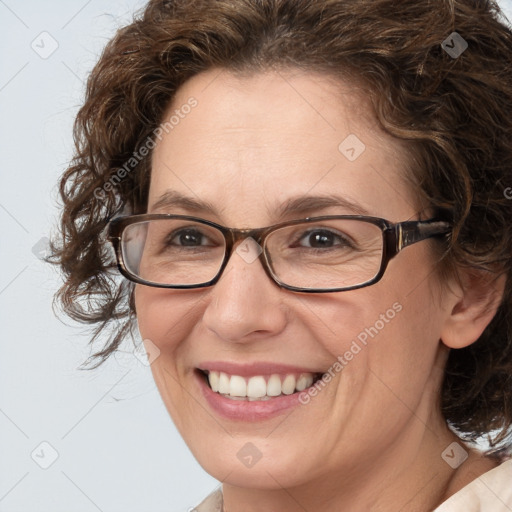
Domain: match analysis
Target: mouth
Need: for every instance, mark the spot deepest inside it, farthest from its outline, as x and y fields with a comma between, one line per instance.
x=257, y=388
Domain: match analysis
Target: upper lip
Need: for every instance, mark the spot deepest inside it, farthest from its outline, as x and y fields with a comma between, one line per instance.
x=256, y=368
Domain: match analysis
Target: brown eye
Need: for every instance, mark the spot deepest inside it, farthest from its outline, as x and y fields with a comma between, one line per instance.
x=322, y=239
x=187, y=238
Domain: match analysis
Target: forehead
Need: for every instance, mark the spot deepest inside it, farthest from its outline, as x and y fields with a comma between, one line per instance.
x=263, y=138
x=289, y=102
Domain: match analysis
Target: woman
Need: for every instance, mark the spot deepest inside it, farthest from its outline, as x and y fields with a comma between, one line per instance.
x=309, y=203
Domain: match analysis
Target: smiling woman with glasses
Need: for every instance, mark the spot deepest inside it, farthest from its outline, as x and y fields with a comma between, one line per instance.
x=308, y=206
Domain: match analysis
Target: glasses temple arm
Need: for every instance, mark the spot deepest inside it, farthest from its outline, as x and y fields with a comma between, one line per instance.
x=410, y=232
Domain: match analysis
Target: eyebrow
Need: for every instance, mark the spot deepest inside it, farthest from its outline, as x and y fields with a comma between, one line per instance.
x=173, y=199
x=304, y=204
x=301, y=205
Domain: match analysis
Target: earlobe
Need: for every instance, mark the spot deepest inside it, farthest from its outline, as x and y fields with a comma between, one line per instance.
x=472, y=308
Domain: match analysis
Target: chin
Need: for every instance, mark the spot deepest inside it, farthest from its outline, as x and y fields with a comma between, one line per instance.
x=237, y=461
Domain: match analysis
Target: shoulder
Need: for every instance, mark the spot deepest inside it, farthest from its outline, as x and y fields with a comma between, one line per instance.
x=490, y=492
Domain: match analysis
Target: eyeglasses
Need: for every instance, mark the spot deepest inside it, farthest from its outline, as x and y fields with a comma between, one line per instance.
x=318, y=254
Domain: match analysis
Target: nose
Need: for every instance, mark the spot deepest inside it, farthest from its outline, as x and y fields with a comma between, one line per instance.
x=245, y=304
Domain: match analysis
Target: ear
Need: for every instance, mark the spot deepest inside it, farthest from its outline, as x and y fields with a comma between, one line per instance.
x=472, y=304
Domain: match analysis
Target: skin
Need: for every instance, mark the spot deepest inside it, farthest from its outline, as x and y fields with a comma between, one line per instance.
x=373, y=438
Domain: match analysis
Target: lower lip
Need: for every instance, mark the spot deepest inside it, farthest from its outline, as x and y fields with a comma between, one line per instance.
x=244, y=410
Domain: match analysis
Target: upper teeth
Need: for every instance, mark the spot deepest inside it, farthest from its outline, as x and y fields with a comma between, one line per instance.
x=258, y=386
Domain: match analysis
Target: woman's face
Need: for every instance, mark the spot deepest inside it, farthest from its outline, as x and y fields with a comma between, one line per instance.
x=248, y=147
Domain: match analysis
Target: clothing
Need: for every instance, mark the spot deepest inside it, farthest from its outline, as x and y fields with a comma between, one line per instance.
x=213, y=503
x=490, y=492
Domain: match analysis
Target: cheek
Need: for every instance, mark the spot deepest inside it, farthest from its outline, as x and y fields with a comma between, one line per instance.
x=386, y=339
x=396, y=366
x=165, y=316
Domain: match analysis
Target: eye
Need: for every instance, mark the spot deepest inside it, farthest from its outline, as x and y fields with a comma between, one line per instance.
x=323, y=239
x=188, y=237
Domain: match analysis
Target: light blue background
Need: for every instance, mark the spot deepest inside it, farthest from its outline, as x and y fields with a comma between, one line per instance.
x=118, y=449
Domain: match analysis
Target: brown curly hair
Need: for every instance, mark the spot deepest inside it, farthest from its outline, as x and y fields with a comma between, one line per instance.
x=453, y=112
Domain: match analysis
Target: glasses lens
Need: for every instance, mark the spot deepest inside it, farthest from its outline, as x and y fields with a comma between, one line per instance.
x=326, y=254
x=172, y=251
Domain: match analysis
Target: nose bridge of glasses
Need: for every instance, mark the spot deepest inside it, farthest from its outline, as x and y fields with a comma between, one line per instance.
x=237, y=236
x=250, y=251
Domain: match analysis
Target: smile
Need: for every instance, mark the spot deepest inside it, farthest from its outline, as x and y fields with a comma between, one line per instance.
x=258, y=387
